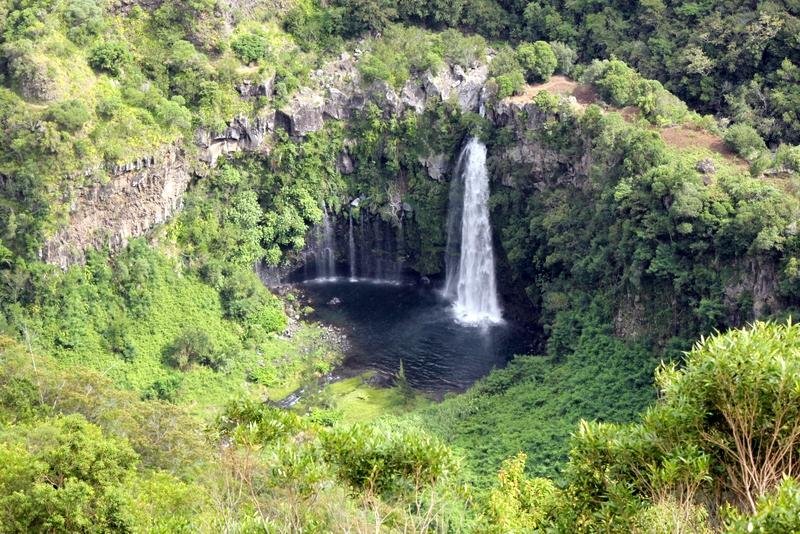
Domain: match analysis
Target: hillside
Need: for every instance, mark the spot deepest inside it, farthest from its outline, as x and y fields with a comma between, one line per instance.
x=609, y=188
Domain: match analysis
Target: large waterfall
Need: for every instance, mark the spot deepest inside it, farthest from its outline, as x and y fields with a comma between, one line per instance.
x=470, y=281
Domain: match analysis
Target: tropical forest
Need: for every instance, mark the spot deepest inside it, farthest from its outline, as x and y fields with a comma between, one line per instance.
x=400, y=266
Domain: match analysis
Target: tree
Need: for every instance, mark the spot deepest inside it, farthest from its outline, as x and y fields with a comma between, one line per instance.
x=65, y=476
x=363, y=16
x=538, y=60
x=110, y=57
x=738, y=395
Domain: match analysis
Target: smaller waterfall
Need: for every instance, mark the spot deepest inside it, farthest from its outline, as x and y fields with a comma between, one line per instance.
x=351, y=243
x=322, y=250
x=471, y=281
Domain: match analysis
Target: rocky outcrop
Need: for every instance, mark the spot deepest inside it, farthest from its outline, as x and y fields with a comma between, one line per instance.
x=526, y=161
x=752, y=292
x=147, y=192
x=249, y=89
x=242, y=134
x=437, y=165
x=138, y=197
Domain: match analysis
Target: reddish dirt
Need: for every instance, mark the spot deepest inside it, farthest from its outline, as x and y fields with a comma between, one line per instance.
x=684, y=136
x=559, y=85
x=681, y=136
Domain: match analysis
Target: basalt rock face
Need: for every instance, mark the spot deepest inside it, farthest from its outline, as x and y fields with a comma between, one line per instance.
x=139, y=196
x=526, y=162
x=148, y=192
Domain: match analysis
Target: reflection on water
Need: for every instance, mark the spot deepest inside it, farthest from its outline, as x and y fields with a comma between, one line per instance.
x=387, y=323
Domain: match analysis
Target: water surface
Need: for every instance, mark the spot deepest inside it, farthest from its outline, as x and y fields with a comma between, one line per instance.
x=387, y=323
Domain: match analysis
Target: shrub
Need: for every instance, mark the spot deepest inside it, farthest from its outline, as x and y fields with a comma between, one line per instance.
x=193, y=346
x=246, y=300
x=743, y=383
x=509, y=84
x=616, y=81
x=538, y=60
x=110, y=57
x=65, y=476
x=165, y=389
x=507, y=73
x=776, y=512
x=745, y=141
x=518, y=503
x=250, y=47
x=387, y=457
x=70, y=115
x=565, y=57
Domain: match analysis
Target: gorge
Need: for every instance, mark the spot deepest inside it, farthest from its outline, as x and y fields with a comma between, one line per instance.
x=399, y=266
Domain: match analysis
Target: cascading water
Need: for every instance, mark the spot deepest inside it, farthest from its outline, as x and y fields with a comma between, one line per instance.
x=323, y=249
x=470, y=281
x=351, y=243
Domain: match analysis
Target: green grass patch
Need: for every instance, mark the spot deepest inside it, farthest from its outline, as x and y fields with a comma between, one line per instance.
x=535, y=404
x=356, y=399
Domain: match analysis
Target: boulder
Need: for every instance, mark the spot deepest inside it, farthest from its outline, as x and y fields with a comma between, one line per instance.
x=35, y=78
x=706, y=166
x=437, y=165
x=345, y=164
x=471, y=86
x=305, y=113
x=249, y=89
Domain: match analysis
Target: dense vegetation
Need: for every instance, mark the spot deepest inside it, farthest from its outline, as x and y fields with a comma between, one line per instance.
x=134, y=387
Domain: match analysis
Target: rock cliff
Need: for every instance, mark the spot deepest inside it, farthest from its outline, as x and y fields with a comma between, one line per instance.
x=145, y=193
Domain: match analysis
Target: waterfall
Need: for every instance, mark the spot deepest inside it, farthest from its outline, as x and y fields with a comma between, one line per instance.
x=470, y=281
x=323, y=249
x=351, y=243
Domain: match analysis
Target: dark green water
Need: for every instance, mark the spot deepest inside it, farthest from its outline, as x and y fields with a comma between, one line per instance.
x=387, y=323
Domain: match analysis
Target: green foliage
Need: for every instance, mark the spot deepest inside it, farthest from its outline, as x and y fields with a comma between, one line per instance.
x=193, y=347
x=534, y=404
x=739, y=384
x=64, y=476
x=387, y=458
x=70, y=115
x=405, y=51
x=622, y=86
x=722, y=433
x=250, y=47
x=778, y=511
x=110, y=57
x=364, y=16
x=507, y=72
x=745, y=141
x=518, y=503
x=565, y=57
x=245, y=299
x=538, y=61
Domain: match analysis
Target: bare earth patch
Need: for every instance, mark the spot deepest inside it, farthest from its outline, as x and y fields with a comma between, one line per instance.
x=681, y=136
x=558, y=85
x=684, y=136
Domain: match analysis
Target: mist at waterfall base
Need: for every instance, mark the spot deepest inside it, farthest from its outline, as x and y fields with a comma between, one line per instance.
x=389, y=322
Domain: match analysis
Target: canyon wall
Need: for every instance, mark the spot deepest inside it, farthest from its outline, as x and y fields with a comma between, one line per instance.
x=149, y=191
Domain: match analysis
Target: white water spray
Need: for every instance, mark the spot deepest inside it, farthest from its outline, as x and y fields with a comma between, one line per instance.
x=470, y=281
x=326, y=258
x=351, y=243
